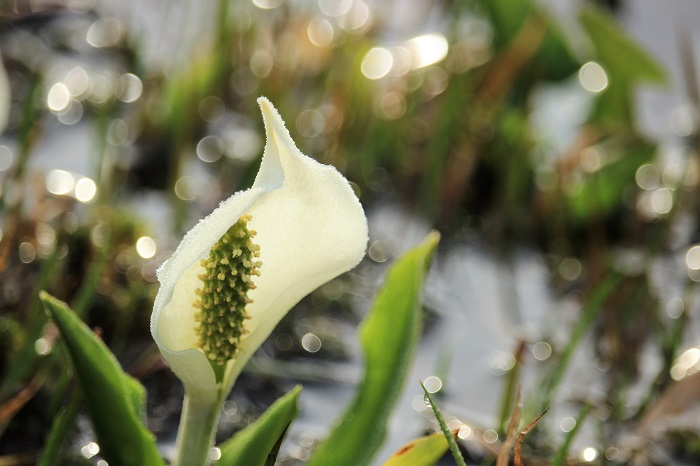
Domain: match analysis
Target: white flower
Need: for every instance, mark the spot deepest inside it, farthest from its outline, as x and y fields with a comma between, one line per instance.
x=310, y=228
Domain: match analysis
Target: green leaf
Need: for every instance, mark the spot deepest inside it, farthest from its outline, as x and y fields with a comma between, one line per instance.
x=389, y=336
x=253, y=445
x=114, y=400
x=454, y=448
x=622, y=58
x=423, y=451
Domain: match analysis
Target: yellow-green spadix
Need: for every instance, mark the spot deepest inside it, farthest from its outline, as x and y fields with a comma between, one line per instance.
x=307, y=226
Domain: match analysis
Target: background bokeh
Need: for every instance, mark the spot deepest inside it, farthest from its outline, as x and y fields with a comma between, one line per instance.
x=553, y=144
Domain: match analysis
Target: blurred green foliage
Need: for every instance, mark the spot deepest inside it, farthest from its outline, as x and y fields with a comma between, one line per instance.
x=454, y=141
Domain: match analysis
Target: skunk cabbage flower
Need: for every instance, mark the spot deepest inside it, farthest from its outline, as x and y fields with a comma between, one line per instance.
x=242, y=268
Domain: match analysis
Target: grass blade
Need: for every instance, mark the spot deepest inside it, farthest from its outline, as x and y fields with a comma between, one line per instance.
x=588, y=315
x=560, y=458
x=60, y=429
x=454, y=448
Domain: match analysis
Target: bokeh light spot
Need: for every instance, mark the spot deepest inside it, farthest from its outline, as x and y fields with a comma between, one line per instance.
x=261, y=63
x=647, y=177
x=129, y=88
x=570, y=269
x=85, y=190
x=465, y=432
x=501, y=362
x=105, y=32
x=675, y=308
x=377, y=63
x=567, y=424
x=90, y=450
x=490, y=436
x=310, y=123
x=432, y=384
x=306, y=439
x=214, y=454
x=662, y=201
x=60, y=182
x=6, y=158
x=683, y=121
x=427, y=50
x=42, y=346
x=27, y=252
x=589, y=454
x=284, y=342
x=320, y=32
x=541, y=350
x=72, y=113
x=335, y=8
x=211, y=108
x=267, y=4
x=186, y=188
x=58, y=98
x=357, y=19
x=686, y=364
x=311, y=343
x=78, y=82
x=593, y=77
x=146, y=247
x=393, y=105
x=591, y=159
x=210, y=149
x=379, y=251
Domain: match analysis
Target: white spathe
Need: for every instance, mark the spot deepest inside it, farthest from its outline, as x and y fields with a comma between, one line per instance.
x=310, y=228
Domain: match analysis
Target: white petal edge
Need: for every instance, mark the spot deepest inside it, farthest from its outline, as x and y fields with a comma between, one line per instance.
x=311, y=228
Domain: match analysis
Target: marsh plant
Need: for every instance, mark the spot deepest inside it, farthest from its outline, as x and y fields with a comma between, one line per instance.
x=231, y=280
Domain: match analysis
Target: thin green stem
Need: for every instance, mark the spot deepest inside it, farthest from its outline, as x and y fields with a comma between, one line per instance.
x=197, y=428
x=454, y=449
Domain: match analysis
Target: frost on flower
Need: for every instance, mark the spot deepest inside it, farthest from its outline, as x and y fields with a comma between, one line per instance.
x=242, y=268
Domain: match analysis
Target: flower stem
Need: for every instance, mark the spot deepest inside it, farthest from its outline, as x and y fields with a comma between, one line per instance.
x=197, y=428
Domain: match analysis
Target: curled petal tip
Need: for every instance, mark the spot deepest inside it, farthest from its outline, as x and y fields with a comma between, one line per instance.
x=268, y=110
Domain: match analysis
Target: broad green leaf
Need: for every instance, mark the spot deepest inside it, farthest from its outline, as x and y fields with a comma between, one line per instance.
x=423, y=451
x=114, y=400
x=253, y=445
x=622, y=58
x=389, y=336
x=454, y=448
